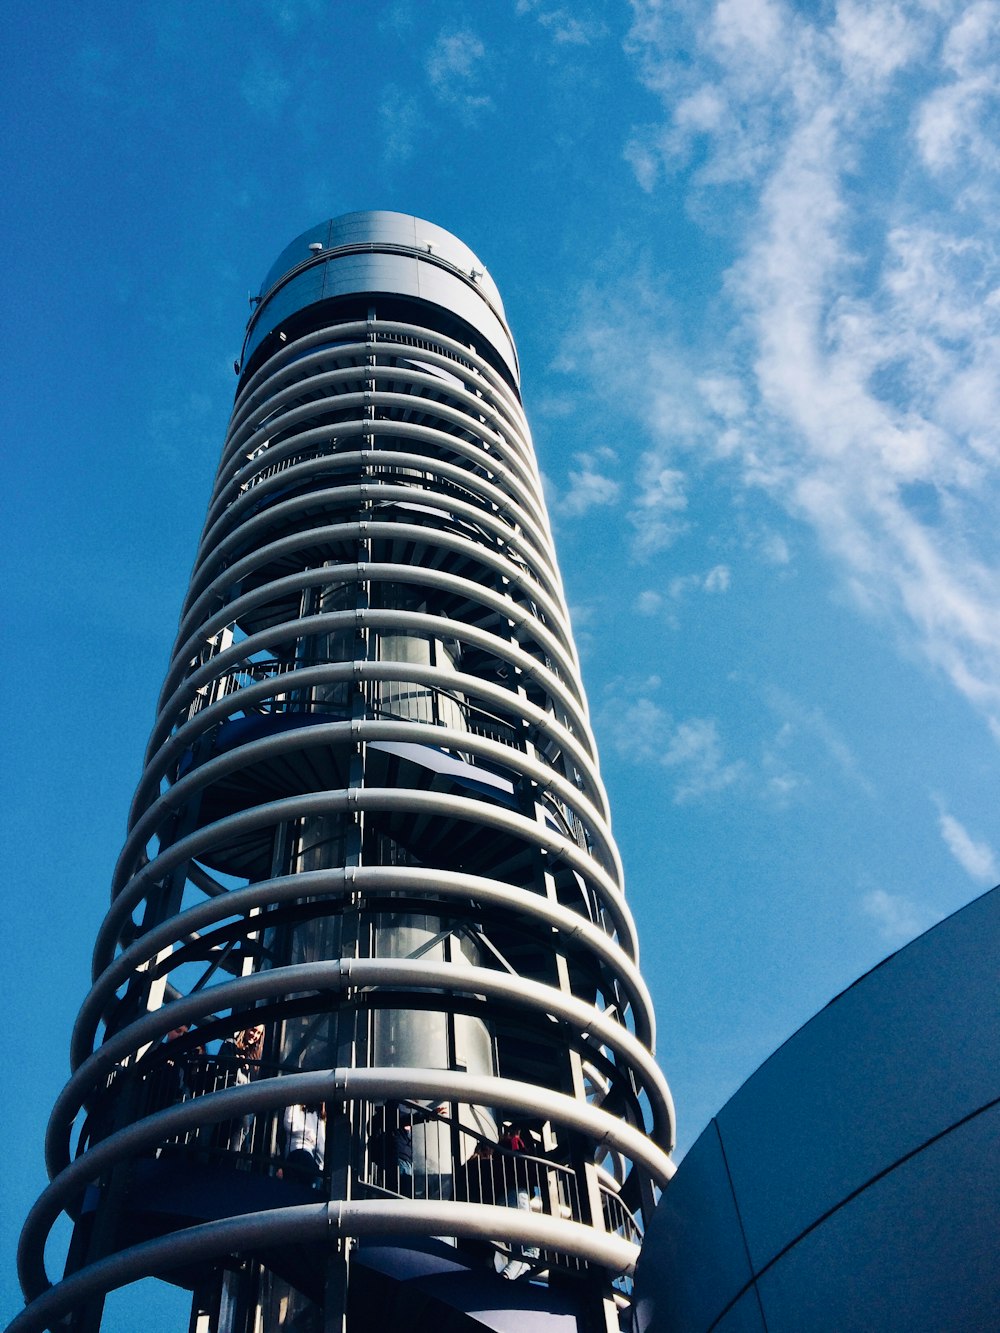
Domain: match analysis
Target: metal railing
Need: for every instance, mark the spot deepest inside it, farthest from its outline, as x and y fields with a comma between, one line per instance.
x=618, y=1218
x=404, y=701
x=408, y=701
x=283, y=464
x=252, y=1141
x=384, y=338
x=402, y=1150
x=413, y=1152
x=396, y=700
x=221, y=687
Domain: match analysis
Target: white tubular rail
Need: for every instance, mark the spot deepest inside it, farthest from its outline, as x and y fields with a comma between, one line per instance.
x=332, y=1085
x=323, y=1223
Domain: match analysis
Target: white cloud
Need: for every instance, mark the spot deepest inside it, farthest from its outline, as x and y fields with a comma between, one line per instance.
x=858, y=384
x=974, y=41
x=774, y=549
x=589, y=486
x=704, y=110
x=802, y=720
x=783, y=784
x=691, y=750
x=695, y=750
x=568, y=25
x=401, y=123
x=650, y=386
x=454, y=70
x=781, y=788
x=874, y=40
x=648, y=602
x=291, y=14
x=749, y=36
x=642, y=154
x=715, y=580
x=898, y=918
x=724, y=395
x=657, y=514
x=587, y=490
x=639, y=728
x=976, y=858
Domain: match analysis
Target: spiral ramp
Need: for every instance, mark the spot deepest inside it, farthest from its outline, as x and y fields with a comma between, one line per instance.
x=370, y=829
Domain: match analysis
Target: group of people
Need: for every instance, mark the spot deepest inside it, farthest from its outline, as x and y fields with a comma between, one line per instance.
x=303, y=1127
x=507, y=1173
x=390, y=1148
x=501, y=1173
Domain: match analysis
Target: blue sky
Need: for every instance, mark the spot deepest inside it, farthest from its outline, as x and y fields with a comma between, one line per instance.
x=747, y=249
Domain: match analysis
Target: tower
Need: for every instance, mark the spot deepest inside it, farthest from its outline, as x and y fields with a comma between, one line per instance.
x=367, y=1044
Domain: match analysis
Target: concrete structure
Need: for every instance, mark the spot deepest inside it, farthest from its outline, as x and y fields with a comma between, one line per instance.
x=370, y=841
x=853, y=1183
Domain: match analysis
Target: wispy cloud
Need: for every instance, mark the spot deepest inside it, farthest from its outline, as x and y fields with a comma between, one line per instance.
x=290, y=15
x=264, y=87
x=590, y=485
x=715, y=580
x=799, y=758
x=454, y=70
x=658, y=512
x=954, y=123
x=898, y=918
x=401, y=122
x=650, y=385
x=691, y=750
x=975, y=857
x=695, y=750
x=653, y=601
x=774, y=549
x=802, y=722
x=783, y=786
x=571, y=25
x=862, y=390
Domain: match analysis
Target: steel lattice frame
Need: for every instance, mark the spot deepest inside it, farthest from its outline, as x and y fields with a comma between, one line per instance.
x=372, y=732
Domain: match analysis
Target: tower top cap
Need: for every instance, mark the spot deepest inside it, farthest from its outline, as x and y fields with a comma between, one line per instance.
x=377, y=227
x=378, y=253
